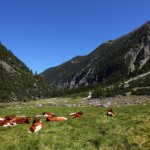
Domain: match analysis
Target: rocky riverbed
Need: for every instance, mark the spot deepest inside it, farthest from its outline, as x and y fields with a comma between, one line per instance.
x=82, y=102
x=104, y=102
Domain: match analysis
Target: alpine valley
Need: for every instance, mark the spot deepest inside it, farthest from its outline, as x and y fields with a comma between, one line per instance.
x=112, y=63
x=121, y=66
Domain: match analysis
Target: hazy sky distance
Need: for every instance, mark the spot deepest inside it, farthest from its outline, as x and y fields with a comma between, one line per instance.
x=46, y=33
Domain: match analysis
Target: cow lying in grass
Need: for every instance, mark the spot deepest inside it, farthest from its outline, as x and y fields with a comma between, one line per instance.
x=110, y=112
x=18, y=119
x=25, y=120
x=76, y=114
x=50, y=116
x=36, y=125
x=13, y=120
x=46, y=114
x=7, y=123
x=53, y=118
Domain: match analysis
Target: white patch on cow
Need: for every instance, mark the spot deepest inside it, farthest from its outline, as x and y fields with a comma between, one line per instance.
x=62, y=118
x=7, y=125
x=39, y=127
x=110, y=113
x=1, y=119
x=13, y=123
x=72, y=114
x=46, y=115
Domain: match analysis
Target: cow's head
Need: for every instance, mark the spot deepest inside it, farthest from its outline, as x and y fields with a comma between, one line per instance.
x=36, y=120
x=27, y=119
x=80, y=113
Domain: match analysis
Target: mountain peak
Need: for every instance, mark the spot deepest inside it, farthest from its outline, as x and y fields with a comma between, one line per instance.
x=110, y=62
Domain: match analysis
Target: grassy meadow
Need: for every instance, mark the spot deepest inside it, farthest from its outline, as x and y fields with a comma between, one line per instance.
x=128, y=130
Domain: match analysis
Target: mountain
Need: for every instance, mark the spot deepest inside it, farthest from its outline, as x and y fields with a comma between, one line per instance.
x=17, y=82
x=109, y=63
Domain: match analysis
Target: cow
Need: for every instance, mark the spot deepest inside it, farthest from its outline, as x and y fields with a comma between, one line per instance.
x=46, y=114
x=50, y=114
x=6, y=123
x=76, y=114
x=25, y=120
x=55, y=118
x=36, y=125
x=110, y=112
x=18, y=119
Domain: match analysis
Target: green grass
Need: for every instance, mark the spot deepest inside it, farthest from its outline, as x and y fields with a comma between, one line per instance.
x=128, y=130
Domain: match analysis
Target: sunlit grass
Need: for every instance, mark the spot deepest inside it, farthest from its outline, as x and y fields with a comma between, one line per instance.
x=129, y=129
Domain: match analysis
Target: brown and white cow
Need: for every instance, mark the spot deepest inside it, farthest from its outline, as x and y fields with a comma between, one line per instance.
x=25, y=120
x=36, y=125
x=50, y=114
x=6, y=123
x=46, y=114
x=55, y=118
x=18, y=119
x=110, y=112
x=76, y=114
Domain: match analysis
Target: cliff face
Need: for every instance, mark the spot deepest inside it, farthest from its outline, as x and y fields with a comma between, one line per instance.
x=110, y=62
x=139, y=55
x=17, y=82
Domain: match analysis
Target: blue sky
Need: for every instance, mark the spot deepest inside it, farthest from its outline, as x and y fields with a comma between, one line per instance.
x=46, y=33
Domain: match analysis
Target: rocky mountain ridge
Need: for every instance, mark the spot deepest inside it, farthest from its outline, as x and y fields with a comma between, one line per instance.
x=110, y=62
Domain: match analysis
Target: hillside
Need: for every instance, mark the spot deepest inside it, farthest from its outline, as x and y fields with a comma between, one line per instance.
x=17, y=82
x=112, y=61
